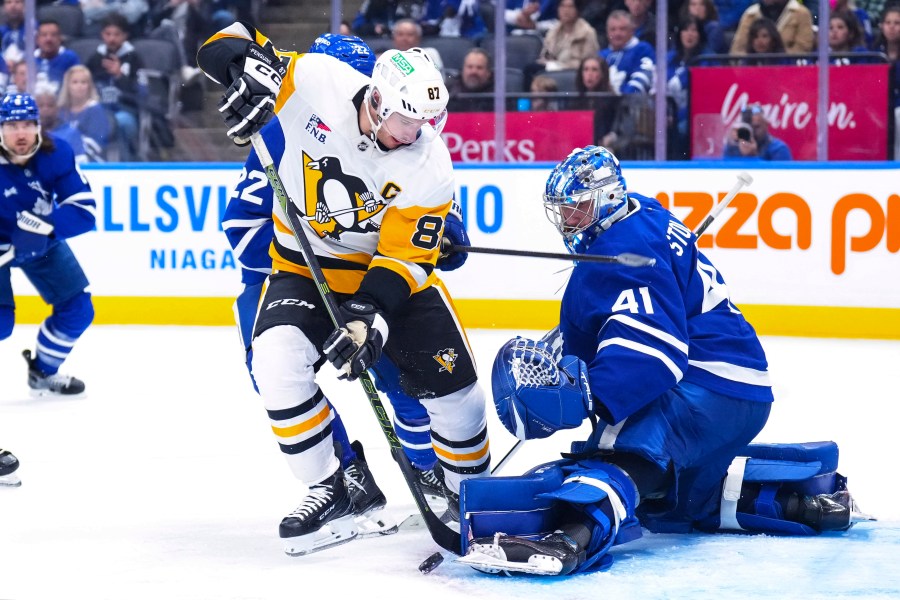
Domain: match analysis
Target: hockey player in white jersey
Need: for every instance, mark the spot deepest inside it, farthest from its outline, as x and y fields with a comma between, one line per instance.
x=372, y=183
x=676, y=384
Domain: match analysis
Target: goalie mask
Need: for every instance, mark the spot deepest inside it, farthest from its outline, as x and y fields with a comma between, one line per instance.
x=407, y=92
x=22, y=109
x=347, y=49
x=584, y=195
x=534, y=394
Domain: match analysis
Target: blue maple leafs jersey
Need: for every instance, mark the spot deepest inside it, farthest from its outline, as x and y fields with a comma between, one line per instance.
x=49, y=186
x=642, y=330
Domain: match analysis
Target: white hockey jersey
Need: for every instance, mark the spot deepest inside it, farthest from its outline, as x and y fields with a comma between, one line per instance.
x=361, y=208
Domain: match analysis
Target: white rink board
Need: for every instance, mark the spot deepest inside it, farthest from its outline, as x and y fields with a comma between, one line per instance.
x=158, y=233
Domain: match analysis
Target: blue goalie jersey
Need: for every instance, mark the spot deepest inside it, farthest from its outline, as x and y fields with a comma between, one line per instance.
x=642, y=330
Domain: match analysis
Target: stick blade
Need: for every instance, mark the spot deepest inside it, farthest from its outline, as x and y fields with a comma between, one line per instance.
x=635, y=260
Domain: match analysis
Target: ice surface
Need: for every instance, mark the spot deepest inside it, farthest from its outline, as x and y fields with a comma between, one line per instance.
x=165, y=482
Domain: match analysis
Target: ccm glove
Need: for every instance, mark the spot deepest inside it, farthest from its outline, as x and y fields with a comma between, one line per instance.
x=249, y=102
x=356, y=347
x=31, y=237
x=454, y=235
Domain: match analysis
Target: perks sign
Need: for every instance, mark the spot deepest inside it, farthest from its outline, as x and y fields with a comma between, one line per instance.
x=857, y=113
x=530, y=136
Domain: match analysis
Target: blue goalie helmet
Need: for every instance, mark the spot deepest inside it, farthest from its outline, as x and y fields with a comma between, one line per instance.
x=346, y=48
x=585, y=194
x=18, y=107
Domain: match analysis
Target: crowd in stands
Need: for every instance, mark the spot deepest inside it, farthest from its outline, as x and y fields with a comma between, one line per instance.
x=597, y=55
x=600, y=55
x=92, y=80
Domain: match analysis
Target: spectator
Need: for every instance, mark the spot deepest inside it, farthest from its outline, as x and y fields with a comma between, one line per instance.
x=865, y=22
x=12, y=32
x=182, y=23
x=530, y=15
x=689, y=41
x=792, y=19
x=406, y=34
x=344, y=28
x=95, y=12
x=593, y=77
x=845, y=35
x=889, y=42
x=51, y=58
x=875, y=9
x=18, y=83
x=476, y=77
x=223, y=13
x=750, y=139
x=708, y=14
x=45, y=97
x=631, y=61
x=374, y=18
x=763, y=38
x=455, y=18
x=542, y=84
x=114, y=67
x=644, y=20
x=570, y=41
x=79, y=106
x=731, y=11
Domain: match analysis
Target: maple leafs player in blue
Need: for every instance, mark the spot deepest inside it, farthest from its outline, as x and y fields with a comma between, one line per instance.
x=675, y=382
x=45, y=200
x=249, y=226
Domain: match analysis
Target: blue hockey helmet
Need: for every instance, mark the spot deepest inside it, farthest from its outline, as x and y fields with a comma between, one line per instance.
x=585, y=194
x=346, y=48
x=18, y=107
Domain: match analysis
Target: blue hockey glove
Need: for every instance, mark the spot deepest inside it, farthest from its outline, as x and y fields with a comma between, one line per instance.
x=356, y=347
x=534, y=395
x=249, y=102
x=454, y=234
x=31, y=238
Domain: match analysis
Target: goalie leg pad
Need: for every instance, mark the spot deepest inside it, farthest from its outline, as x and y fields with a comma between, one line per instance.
x=786, y=489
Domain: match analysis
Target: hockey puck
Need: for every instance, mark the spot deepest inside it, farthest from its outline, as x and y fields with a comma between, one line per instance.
x=431, y=563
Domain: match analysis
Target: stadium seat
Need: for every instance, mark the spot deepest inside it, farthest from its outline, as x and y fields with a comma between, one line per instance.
x=521, y=50
x=69, y=17
x=452, y=50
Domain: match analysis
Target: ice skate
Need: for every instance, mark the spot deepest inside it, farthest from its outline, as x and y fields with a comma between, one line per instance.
x=325, y=518
x=440, y=498
x=8, y=465
x=368, y=500
x=57, y=384
x=553, y=554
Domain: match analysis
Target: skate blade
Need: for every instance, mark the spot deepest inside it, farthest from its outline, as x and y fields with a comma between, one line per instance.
x=51, y=394
x=335, y=533
x=376, y=523
x=11, y=480
x=536, y=565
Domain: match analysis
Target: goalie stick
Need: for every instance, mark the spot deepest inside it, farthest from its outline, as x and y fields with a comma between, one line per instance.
x=443, y=535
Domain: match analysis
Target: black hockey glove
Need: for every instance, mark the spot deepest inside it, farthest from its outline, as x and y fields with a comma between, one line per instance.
x=249, y=102
x=358, y=346
x=454, y=235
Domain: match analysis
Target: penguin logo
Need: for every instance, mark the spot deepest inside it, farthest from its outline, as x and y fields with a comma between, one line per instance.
x=447, y=359
x=336, y=201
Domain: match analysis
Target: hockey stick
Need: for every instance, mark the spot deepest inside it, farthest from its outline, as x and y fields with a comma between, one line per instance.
x=743, y=179
x=627, y=259
x=445, y=537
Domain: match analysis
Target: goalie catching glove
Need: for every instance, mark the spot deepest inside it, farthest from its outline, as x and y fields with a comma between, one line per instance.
x=536, y=395
x=357, y=346
x=249, y=102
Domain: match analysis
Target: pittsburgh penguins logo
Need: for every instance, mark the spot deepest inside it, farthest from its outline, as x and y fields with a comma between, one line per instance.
x=336, y=201
x=447, y=359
